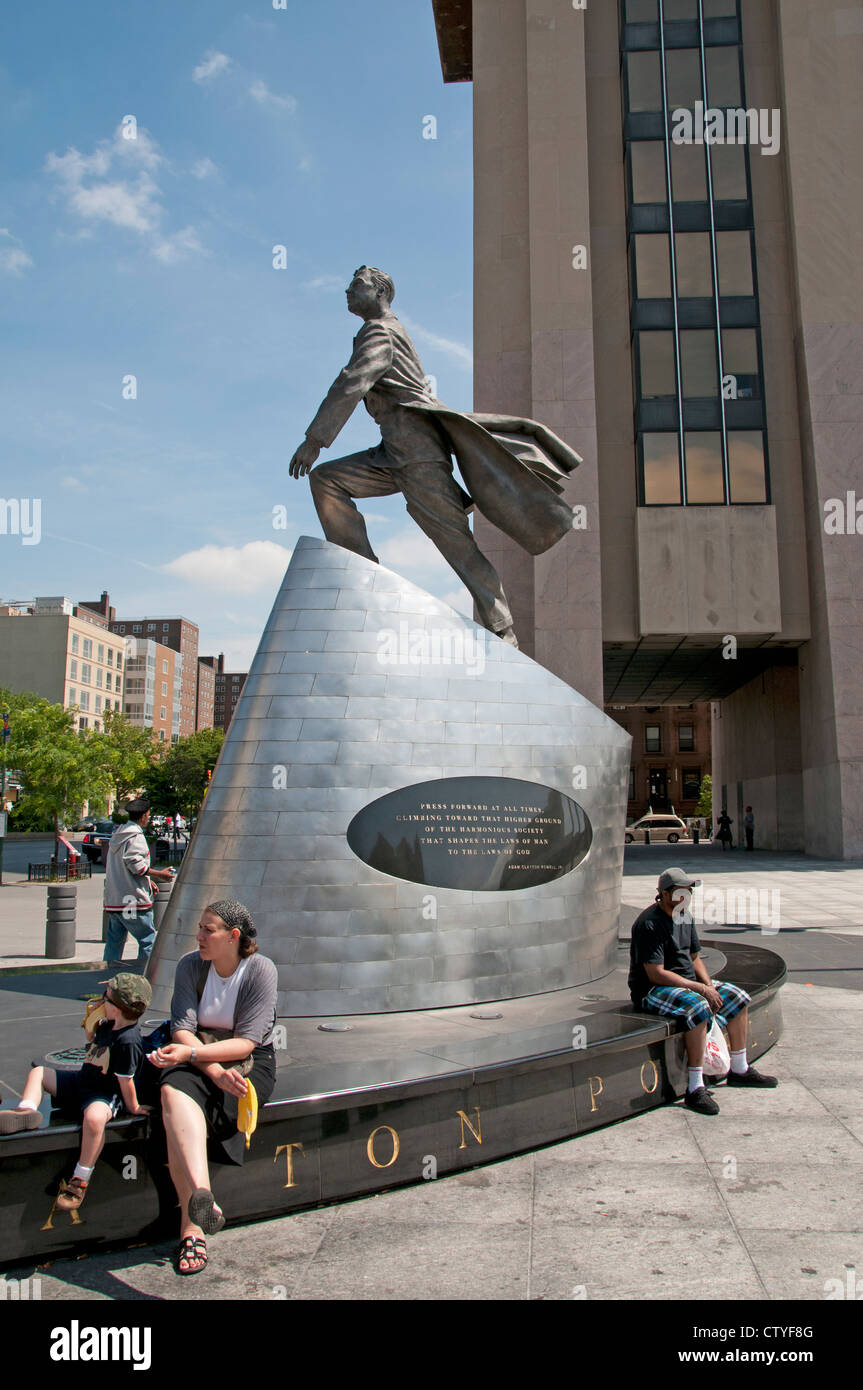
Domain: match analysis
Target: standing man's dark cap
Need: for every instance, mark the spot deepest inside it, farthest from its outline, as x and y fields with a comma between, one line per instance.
x=138, y=806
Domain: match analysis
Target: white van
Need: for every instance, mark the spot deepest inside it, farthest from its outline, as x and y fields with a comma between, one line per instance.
x=665, y=828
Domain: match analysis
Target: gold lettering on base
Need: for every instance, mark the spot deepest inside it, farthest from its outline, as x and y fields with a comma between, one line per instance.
x=477, y=1133
x=370, y=1146
x=594, y=1093
x=767, y=1021
x=49, y=1224
x=649, y=1089
x=288, y=1151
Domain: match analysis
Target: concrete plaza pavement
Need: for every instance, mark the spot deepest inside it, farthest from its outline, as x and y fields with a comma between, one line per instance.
x=764, y=1201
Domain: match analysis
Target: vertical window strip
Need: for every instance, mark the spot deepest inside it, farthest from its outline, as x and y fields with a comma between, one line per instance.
x=672, y=252
x=726, y=471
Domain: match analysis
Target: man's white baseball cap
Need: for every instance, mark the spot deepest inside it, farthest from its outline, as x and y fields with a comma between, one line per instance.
x=676, y=878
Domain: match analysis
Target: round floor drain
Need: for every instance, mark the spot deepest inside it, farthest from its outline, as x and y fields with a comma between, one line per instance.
x=486, y=1016
x=334, y=1027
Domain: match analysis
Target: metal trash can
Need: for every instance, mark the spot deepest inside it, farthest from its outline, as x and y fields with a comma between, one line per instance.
x=60, y=924
x=160, y=902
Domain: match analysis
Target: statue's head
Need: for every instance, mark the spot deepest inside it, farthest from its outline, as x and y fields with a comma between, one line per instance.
x=370, y=292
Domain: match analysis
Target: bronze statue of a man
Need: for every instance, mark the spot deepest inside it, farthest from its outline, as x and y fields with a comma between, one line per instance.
x=513, y=467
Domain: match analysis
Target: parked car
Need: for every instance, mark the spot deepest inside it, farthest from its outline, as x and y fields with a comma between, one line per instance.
x=93, y=840
x=666, y=828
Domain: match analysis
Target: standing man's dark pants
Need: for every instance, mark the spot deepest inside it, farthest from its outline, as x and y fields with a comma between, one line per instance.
x=435, y=503
x=750, y=836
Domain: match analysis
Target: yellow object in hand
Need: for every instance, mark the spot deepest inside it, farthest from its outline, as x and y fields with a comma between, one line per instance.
x=247, y=1113
x=94, y=1014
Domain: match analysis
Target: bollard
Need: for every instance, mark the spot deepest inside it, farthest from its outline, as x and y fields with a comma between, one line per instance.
x=160, y=902
x=60, y=941
x=647, y=837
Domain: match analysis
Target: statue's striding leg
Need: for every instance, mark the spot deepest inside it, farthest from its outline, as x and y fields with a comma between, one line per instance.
x=334, y=487
x=435, y=503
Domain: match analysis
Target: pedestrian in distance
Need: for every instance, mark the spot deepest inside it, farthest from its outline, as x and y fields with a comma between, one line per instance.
x=749, y=828
x=129, y=887
x=723, y=826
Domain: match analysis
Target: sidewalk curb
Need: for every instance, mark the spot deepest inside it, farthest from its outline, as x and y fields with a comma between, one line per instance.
x=48, y=968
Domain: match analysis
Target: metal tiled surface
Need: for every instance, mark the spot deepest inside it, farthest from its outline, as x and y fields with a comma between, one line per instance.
x=328, y=721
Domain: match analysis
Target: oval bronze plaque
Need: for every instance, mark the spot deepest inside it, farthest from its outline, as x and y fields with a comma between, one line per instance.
x=482, y=834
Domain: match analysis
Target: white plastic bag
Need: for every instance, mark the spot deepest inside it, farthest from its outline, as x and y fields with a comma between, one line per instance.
x=717, y=1058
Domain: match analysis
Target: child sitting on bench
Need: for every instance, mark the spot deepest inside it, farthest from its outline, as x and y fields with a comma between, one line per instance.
x=115, y=1073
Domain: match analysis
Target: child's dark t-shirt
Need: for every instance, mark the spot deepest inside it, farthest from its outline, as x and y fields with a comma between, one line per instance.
x=112, y=1052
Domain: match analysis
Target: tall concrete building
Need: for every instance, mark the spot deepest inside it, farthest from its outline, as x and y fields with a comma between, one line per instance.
x=680, y=295
x=228, y=687
x=64, y=652
x=182, y=636
x=154, y=687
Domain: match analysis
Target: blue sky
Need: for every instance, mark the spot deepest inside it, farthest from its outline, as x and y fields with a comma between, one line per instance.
x=153, y=257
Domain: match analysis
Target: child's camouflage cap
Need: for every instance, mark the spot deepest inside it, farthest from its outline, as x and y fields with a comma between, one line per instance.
x=132, y=993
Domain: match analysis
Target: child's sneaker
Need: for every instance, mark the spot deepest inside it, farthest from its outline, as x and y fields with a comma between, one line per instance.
x=71, y=1194
x=13, y=1121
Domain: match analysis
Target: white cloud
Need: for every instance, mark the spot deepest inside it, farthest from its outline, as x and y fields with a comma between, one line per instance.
x=236, y=569
x=204, y=168
x=95, y=193
x=173, y=248
x=459, y=353
x=212, y=65
x=325, y=282
x=14, y=260
x=262, y=94
x=72, y=483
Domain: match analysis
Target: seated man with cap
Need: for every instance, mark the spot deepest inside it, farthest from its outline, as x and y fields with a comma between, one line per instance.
x=667, y=976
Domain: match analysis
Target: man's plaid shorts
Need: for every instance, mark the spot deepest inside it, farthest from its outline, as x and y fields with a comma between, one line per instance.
x=692, y=1008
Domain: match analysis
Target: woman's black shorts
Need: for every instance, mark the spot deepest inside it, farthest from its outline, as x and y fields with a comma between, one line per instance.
x=218, y=1106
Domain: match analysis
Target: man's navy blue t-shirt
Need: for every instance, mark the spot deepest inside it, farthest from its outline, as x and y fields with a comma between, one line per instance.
x=658, y=939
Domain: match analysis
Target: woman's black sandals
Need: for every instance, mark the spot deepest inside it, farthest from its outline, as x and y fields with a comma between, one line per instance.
x=192, y=1248
x=203, y=1211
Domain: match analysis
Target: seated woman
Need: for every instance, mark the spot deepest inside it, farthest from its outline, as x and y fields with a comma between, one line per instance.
x=222, y=1016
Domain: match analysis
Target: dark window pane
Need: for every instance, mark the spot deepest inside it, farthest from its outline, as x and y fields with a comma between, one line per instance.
x=698, y=362
x=685, y=738
x=652, y=270
x=691, y=783
x=740, y=361
x=656, y=351
x=645, y=85
x=652, y=738
x=688, y=173
x=661, y=469
x=734, y=255
x=642, y=11
x=746, y=466
x=683, y=76
x=719, y=9
x=723, y=77
x=648, y=171
x=694, y=270
x=704, y=467
x=681, y=9
x=728, y=164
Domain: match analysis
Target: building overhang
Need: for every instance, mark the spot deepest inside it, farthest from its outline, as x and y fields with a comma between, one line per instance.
x=453, y=21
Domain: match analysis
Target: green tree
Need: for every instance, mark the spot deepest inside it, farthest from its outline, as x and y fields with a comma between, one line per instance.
x=705, y=798
x=59, y=767
x=178, y=781
x=128, y=753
